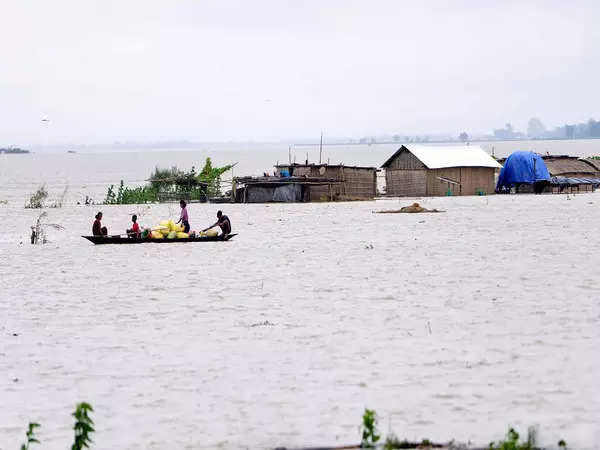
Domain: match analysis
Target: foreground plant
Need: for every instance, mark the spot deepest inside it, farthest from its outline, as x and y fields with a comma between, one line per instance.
x=38, y=230
x=512, y=441
x=369, y=429
x=31, y=438
x=83, y=426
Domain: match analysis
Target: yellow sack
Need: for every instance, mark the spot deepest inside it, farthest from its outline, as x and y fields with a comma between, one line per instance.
x=171, y=225
x=177, y=227
x=211, y=233
x=181, y=235
x=157, y=235
x=172, y=235
x=164, y=223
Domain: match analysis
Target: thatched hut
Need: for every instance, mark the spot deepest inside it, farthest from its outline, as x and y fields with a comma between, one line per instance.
x=429, y=171
x=571, y=174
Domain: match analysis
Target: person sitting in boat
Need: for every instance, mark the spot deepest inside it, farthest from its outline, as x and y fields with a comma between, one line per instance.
x=97, y=228
x=223, y=222
x=134, y=231
x=183, y=218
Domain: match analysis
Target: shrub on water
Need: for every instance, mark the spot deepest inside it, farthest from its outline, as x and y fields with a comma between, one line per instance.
x=369, y=429
x=83, y=426
x=31, y=438
x=36, y=200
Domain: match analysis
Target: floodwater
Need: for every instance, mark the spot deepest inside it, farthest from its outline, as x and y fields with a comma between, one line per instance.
x=452, y=325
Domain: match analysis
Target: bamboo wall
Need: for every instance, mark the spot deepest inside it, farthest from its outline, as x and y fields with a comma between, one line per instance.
x=473, y=180
x=406, y=183
x=357, y=183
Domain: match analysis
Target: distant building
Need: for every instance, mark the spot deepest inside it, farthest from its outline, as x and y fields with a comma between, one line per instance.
x=429, y=171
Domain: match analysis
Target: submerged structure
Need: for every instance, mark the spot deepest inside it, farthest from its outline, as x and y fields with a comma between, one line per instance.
x=527, y=172
x=429, y=171
x=523, y=168
x=308, y=183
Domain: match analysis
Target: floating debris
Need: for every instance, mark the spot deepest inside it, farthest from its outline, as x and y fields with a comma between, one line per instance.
x=414, y=208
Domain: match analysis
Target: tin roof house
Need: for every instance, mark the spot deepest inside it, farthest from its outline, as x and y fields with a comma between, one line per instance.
x=430, y=171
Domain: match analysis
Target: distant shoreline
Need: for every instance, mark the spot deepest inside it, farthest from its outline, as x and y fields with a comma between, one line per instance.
x=10, y=151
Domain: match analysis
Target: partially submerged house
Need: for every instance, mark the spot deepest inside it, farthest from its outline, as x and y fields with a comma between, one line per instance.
x=429, y=171
x=528, y=172
x=571, y=174
x=309, y=183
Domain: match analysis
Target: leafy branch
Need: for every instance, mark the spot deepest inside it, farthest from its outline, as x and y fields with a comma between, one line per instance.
x=31, y=438
x=83, y=426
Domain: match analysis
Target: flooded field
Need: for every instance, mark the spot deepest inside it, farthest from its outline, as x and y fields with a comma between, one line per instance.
x=452, y=325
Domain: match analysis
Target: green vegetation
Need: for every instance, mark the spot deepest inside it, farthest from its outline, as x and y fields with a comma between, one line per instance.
x=171, y=184
x=369, y=429
x=212, y=176
x=37, y=199
x=512, y=441
x=31, y=438
x=370, y=437
x=126, y=195
x=83, y=426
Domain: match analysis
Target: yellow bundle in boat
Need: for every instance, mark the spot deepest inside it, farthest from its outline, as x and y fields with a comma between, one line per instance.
x=164, y=223
x=211, y=233
x=172, y=235
x=176, y=227
x=157, y=235
x=181, y=235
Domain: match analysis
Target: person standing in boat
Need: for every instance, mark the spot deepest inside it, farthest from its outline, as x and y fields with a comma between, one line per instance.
x=97, y=228
x=183, y=218
x=223, y=222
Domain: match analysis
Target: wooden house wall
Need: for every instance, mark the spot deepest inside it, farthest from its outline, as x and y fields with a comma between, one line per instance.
x=406, y=183
x=407, y=161
x=425, y=182
x=472, y=181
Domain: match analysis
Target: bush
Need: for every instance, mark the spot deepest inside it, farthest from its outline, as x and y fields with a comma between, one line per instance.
x=36, y=200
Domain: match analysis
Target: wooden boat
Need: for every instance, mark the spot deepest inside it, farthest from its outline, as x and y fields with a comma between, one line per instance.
x=98, y=240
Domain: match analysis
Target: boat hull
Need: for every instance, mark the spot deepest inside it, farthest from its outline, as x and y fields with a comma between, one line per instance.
x=102, y=240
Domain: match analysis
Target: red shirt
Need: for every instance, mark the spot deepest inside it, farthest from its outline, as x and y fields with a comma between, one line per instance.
x=135, y=228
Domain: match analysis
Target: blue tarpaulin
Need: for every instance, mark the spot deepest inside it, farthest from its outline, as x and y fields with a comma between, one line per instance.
x=522, y=167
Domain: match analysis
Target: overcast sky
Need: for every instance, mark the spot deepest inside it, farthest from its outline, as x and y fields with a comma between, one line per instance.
x=199, y=70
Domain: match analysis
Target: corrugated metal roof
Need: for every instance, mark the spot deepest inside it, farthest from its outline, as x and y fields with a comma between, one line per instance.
x=439, y=157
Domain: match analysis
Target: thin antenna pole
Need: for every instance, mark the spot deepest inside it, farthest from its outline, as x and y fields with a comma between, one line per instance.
x=290, y=154
x=321, y=147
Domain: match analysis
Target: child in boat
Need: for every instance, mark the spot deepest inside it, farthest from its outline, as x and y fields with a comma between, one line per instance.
x=183, y=218
x=134, y=231
x=97, y=228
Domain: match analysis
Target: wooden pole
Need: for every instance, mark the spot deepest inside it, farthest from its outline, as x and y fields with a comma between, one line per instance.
x=321, y=148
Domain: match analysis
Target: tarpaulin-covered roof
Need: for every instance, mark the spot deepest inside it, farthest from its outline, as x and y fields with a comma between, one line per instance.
x=522, y=167
x=439, y=157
